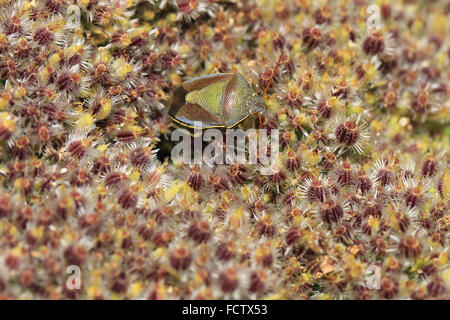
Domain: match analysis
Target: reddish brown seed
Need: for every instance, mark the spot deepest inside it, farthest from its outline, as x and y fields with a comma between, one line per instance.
x=45, y=218
x=140, y=156
x=410, y=246
x=146, y=230
x=127, y=199
x=331, y=212
x=286, y=138
x=342, y=232
x=54, y=6
x=237, y=173
x=228, y=280
x=6, y=129
x=328, y=160
x=293, y=162
x=114, y=178
x=388, y=288
x=344, y=174
x=421, y=102
x=322, y=15
x=311, y=37
x=419, y=293
x=278, y=40
x=27, y=278
x=199, y=231
x=68, y=82
x=340, y=90
x=388, y=63
x=13, y=25
x=44, y=134
x=195, y=180
x=277, y=178
x=324, y=108
x=256, y=207
x=75, y=254
x=43, y=36
x=162, y=214
x=403, y=221
x=181, y=258
x=120, y=282
x=436, y=287
x=386, y=11
x=378, y=245
x=373, y=210
x=429, y=168
x=317, y=191
x=225, y=251
x=187, y=6
x=5, y=204
x=77, y=149
x=413, y=197
x=319, y=136
x=347, y=133
x=390, y=99
x=363, y=184
x=12, y=261
x=293, y=235
x=438, y=238
x=219, y=184
x=125, y=135
x=361, y=71
x=265, y=226
x=162, y=239
x=258, y=281
x=101, y=165
x=385, y=176
x=438, y=211
x=293, y=213
x=100, y=71
x=373, y=44
x=20, y=147
x=80, y=177
x=294, y=97
x=263, y=256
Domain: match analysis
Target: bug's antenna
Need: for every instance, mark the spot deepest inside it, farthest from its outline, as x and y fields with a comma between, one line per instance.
x=269, y=82
x=273, y=74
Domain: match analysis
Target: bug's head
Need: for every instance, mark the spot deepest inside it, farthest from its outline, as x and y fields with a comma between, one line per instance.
x=255, y=103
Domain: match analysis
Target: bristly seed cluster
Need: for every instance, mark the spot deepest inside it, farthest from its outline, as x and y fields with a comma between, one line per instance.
x=363, y=178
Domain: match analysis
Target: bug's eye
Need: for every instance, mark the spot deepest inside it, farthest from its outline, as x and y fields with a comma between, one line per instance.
x=255, y=103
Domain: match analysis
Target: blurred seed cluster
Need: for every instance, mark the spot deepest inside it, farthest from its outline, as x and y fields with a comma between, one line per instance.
x=363, y=178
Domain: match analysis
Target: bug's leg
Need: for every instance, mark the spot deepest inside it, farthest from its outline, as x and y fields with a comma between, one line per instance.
x=273, y=74
x=268, y=84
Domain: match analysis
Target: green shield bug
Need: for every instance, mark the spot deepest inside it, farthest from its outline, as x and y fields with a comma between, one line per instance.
x=220, y=100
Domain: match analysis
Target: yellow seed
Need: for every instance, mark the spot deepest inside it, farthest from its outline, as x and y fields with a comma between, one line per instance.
x=54, y=59
x=135, y=175
x=171, y=18
x=246, y=192
x=86, y=121
x=3, y=104
x=105, y=109
x=173, y=190
x=136, y=288
x=20, y=92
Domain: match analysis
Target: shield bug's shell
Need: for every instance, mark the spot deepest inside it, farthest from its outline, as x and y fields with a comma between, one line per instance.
x=215, y=101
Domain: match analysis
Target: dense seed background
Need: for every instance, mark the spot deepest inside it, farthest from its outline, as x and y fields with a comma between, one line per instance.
x=86, y=178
